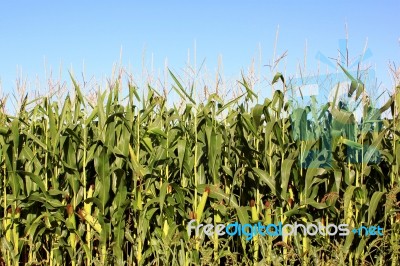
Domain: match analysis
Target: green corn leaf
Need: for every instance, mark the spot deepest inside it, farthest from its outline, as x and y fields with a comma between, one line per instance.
x=264, y=177
x=103, y=170
x=373, y=205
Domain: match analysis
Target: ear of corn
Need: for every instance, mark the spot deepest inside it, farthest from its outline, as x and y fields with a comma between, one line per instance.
x=254, y=217
x=202, y=204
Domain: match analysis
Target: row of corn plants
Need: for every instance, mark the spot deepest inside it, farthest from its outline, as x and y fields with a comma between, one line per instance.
x=115, y=182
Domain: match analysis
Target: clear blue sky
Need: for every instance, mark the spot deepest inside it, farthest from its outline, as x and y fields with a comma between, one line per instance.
x=73, y=32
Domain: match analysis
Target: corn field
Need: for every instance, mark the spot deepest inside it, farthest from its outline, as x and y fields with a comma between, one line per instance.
x=116, y=181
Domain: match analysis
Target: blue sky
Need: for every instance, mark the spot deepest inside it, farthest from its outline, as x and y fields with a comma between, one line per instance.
x=93, y=32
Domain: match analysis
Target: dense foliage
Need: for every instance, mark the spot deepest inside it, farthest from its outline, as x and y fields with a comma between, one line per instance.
x=117, y=181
